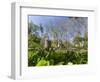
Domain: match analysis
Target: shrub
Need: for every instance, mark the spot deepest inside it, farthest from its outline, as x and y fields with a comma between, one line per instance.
x=42, y=57
x=42, y=63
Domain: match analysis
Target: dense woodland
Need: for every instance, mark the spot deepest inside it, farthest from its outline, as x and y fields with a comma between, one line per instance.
x=65, y=43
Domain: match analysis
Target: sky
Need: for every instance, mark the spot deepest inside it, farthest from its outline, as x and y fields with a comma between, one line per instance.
x=45, y=19
x=64, y=23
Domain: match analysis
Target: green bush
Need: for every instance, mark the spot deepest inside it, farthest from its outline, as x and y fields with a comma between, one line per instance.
x=42, y=57
x=42, y=63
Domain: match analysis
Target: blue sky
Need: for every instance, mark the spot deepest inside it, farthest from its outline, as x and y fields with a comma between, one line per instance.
x=45, y=19
x=56, y=21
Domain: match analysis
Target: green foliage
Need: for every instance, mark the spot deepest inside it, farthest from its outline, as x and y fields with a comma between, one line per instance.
x=81, y=42
x=42, y=57
x=33, y=41
x=39, y=56
x=42, y=63
x=32, y=27
x=58, y=51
